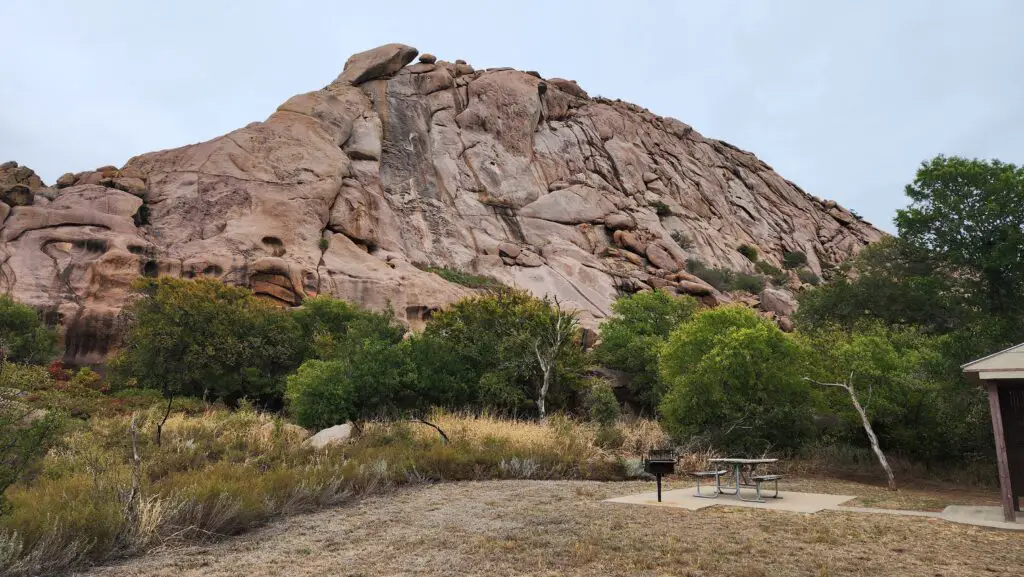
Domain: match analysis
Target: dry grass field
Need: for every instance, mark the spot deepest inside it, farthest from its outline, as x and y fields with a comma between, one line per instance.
x=563, y=528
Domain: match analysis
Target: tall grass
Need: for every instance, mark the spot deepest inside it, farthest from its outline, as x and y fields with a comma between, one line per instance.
x=220, y=473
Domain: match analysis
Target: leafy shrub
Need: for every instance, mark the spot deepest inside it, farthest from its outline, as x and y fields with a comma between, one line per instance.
x=660, y=208
x=682, y=239
x=751, y=283
x=725, y=279
x=777, y=275
x=896, y=284
x=23, y=336
x=602, y=406
x=608, y=437
x=463, y=278
x=141, y=216
x=735, y=379
x=630, y=339
x=25, y=436
x=203, y=338
x=371, y=379
x=808, y=277
x=748, y=251
x=794, y=259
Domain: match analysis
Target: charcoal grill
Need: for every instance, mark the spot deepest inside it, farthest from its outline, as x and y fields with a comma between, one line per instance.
x=660, y=462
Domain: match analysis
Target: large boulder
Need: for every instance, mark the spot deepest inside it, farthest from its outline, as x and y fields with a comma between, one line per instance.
x=377, y=63
x=329, y=436
x=778, y=301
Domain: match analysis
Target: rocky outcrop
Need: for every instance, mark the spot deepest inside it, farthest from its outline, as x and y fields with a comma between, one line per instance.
x=341, y=190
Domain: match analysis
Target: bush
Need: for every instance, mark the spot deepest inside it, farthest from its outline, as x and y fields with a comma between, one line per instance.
x=751, y=283
x=372, y=379
x=203, y=338
x=808, y=277
x=602, y=406
x=896, y=284
x=660, y=208
x=778, y=276
x=794, y=259
x=25, y=436
x=724, y=279
x=735, y=380
x=631, y=339
x=681, y=238
x=23, y=336
x=463, y=278
x=748, y=251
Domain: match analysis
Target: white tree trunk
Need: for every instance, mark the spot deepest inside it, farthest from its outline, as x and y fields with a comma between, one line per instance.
x=872, y=438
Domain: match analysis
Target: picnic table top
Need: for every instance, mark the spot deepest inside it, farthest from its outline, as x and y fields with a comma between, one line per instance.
x=739, y=461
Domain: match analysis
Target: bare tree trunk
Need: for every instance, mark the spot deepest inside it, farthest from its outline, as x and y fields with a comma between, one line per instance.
x=544, y=391
x=444, y=437
x=872, y=438
x=160, y=426
x=131, y=501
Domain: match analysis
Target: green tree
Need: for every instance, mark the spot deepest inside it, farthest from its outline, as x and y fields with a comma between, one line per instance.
x=373, y=378
x=25, y=434
x=735, y=380
x=892, y=282
x=24, y=338
x=203, y=338
x=482, y=353
x=968, y=215
x=914, y=403
x=632, y=338
x=330, y=325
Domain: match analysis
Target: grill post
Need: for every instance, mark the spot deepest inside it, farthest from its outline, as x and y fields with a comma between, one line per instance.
x=660, y=462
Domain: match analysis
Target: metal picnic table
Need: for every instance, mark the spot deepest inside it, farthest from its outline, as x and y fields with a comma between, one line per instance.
x=738, y=465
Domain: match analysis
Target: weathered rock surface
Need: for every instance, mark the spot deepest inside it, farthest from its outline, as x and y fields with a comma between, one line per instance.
x=778, y=301
x=393, y=164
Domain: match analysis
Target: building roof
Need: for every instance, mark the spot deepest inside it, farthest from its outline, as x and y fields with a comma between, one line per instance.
x=1006, y=364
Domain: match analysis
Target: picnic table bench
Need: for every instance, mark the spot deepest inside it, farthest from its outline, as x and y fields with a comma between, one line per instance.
x=738, y=465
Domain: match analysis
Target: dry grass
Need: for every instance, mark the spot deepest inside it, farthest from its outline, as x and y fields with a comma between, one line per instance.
x=563, y=528
x=220, y=474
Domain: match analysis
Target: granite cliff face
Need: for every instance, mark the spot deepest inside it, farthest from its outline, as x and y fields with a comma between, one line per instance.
x=346, y=189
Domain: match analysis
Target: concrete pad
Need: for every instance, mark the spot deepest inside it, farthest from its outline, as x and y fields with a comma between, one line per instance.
x=789, y=501
x=981, y=516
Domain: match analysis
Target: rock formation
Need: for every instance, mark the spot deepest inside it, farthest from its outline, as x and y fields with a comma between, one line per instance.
x=347, y=190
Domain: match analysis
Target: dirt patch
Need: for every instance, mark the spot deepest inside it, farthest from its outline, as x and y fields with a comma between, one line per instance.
x=562, y=527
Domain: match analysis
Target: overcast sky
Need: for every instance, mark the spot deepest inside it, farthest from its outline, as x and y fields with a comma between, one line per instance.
x=845, y=99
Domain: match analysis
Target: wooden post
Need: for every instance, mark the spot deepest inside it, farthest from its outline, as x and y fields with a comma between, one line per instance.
x=1004, y=467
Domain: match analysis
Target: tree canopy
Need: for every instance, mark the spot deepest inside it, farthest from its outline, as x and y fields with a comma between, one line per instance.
x=24, y=338
x=207, y=339
x=632, y=338
x=482, y=352
x=735, y=380
x=969, y=217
